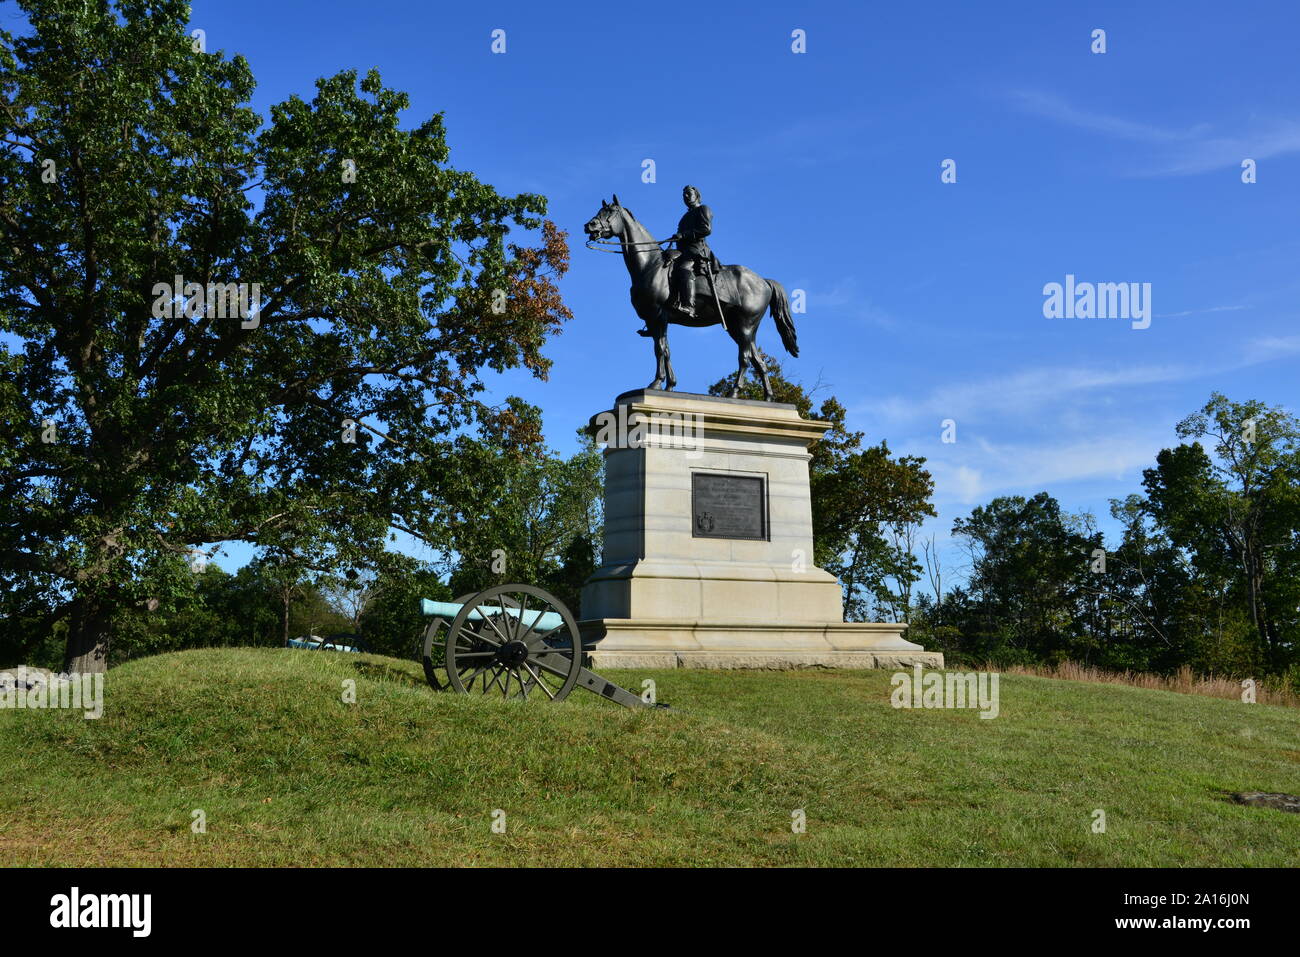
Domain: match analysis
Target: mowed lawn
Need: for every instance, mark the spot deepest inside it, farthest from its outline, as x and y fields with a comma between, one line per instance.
x=286, y=773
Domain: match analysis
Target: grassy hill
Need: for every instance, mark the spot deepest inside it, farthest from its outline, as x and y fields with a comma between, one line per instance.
x=286, y=773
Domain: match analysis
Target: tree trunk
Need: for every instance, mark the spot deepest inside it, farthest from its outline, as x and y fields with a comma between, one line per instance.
x=1255, y=575
x=88, y=639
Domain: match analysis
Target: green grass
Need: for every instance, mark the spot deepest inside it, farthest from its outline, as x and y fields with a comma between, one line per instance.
x=286, y=773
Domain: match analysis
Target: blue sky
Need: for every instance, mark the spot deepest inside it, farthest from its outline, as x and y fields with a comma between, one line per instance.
x=925, y=299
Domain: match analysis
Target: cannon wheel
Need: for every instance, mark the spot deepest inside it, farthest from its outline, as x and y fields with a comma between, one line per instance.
x=434, y=635
x=501, y=654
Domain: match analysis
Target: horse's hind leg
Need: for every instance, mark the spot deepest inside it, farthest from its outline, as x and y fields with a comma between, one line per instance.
x=760, y=370
x=740, y=373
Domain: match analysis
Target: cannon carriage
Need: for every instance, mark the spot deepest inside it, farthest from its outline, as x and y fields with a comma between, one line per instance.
x=513, y=640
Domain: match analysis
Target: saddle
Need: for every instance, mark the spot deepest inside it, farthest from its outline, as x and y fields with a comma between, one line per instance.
x=670, y=256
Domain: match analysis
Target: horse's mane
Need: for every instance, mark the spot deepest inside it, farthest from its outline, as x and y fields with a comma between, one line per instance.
x=632, y=216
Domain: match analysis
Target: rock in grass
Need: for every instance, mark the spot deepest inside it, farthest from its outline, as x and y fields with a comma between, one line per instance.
x=1279, y=802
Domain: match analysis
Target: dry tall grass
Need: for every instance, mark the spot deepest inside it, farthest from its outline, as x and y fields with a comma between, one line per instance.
x=1184, y=682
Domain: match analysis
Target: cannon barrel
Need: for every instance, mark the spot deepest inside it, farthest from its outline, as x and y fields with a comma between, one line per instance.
x=535, y=620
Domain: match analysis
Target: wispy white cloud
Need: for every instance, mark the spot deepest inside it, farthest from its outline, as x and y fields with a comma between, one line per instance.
x=1021, y=393
x=1056, y=108
x=1199, y=312
x=847, y=299
x=1266, y=348
x=977, y=470
x=1278, y=138
x=1070, y=424
x=1179, y=152
x=1018, y=393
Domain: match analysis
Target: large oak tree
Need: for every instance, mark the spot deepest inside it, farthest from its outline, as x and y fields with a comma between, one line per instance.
x=136, y=425
x=1232, y=505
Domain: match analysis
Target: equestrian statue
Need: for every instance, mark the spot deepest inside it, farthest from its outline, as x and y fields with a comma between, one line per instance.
x=665, y=287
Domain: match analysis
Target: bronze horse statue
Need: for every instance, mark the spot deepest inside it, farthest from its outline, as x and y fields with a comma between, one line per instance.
x=744, y=296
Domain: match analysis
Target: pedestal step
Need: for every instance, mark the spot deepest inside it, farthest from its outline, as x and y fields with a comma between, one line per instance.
x=632, y=643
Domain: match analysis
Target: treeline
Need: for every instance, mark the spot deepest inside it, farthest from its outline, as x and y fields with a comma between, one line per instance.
x=1205, y=572
x=515, y=512
x=261, y=604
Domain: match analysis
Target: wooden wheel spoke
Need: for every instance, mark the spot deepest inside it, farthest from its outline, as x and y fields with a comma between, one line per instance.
x=470, y=680
x=489, y=619
x=540, y=675
x=496, y=679
x=499, y=617
x=520, y=627
x=538, y=679
x=467, y=638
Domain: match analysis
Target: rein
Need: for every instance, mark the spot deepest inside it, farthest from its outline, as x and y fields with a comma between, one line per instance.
x=604, y=246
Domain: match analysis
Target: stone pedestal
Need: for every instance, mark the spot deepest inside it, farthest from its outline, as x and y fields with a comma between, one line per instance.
x=708, y=558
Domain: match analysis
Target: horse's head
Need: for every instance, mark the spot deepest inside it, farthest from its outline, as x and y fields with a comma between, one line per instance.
x=607, y=222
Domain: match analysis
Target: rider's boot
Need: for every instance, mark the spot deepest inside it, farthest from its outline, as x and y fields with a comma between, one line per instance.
x=686, y=297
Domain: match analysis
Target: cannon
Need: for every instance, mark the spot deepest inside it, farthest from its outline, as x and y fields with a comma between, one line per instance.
x=513, y=640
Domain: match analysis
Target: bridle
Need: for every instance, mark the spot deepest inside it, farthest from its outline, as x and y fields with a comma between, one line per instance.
x=618, y=246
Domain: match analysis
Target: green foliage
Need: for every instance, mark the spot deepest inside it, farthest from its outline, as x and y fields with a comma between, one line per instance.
x=1234, y=511
x=1029, y=575
x=174, y=430
x=391, y=623
x=873, y=506
x=224, y=610
x=520, y=514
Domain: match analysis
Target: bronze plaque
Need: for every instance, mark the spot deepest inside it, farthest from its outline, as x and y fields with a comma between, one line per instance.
x=728, y=506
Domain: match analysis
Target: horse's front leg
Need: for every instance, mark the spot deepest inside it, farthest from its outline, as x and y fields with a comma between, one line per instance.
x=660, y=333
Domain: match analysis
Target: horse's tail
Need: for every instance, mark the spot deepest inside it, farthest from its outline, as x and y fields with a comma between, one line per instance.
x=781, y=314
